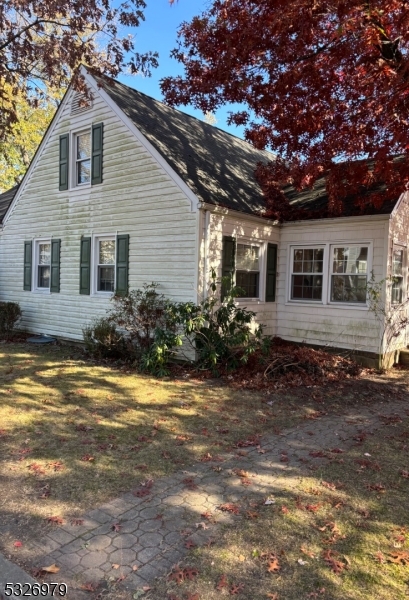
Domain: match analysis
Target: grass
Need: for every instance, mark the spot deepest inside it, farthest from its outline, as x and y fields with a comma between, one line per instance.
x=351, y=509
x=74, y=434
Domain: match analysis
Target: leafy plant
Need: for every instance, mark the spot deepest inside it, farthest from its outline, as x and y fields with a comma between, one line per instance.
x=221, y=333
x=393, y=318
x=10, y=314
x=103, y=340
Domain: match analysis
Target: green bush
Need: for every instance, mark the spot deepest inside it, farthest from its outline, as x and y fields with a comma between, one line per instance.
x=10, y=314
x=102, y=340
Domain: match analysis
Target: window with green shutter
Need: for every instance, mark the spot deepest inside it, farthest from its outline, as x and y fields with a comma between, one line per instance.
x=122, y=264
x=85, y=266
x=271, y=273
x=28, y=264
x=55, y=266
x=97, y=147
x=228, y=264
x=64, y=160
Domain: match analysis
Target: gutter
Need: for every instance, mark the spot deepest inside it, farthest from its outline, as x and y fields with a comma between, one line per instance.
x=213, y=208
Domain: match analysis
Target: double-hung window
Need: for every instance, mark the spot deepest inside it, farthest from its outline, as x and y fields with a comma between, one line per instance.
x=82, y=144
x=43, y=265
x=349, y=274
x=397, y=276
x=248, y=270
x=105, y=265
x=307, y=274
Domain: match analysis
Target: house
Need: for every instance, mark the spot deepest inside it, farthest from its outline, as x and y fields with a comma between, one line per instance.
x=125, y=191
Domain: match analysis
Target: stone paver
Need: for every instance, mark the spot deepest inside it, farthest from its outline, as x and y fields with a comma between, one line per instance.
x=154, y=532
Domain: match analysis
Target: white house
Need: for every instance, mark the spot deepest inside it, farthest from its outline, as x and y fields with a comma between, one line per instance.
x=126, y=191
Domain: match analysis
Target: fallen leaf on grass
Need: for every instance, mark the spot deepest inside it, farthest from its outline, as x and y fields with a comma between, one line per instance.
x=235, y=589
x=380, y=557
x=331, y=558
x=17, y=544
x=222, y=583
x=399, y=558
x=405, y=474
x=376, y=487
x=307, y=552
x=230, y=507
x=193, y=597
x=177, y=575
x=273, y=596
x=55, y=520
x=273, y=565
x=87, y=458
x=190, y=544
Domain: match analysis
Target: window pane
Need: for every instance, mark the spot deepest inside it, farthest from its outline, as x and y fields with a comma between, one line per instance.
x=44, y=253
x=348, y=288
x=83, y=146
x=107, y=252
x=43, y=277
x=84, y=171
x=249, y=283
x=397, y=264
x=350, y=260
x=106, y=279
x=397, y=290
x=247, y=257
x=306, y=287
x=308, y=260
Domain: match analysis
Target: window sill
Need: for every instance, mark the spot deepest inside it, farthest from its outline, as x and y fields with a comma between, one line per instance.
x=320, y=304
x=41, y=291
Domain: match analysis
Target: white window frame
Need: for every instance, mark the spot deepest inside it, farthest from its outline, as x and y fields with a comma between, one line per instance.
x=368, y=271
x=96, y=238
x=327, y=271
x=397, y=246
x=35, y=265
x=262, y=268
x=291, y=273
x=73, y=158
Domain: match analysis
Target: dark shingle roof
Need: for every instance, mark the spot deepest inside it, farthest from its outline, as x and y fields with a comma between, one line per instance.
x=5, y=201
x=315, y=201
x=216, y=166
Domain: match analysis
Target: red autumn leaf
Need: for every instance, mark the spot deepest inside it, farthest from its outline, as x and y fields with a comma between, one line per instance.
x=89, y=587
x=222, y=583
x=380, y=557
x=55, y=520
x=177, y=575
x=116, y=527
x=318, y=454
x=313, y=507
x=230, y=507
x=236, y=588
x=399, y=558
x=190, y=483
x=17, y=544
x=190, y=544
x=284, y=509
x=190, y=573
x=405, y=474
x=77, y=522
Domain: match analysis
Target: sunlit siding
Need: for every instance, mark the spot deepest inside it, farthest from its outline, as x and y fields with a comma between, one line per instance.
x=137, y=197
x=323, y=323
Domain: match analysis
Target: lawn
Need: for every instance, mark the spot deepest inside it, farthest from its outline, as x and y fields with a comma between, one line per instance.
x=74, y=434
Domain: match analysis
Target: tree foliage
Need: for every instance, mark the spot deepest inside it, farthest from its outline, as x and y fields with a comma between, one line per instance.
x=25, y=135
x=44, y=41
x=323, y=83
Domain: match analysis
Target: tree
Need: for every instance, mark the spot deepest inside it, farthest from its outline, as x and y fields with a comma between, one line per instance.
x=323, y=83
x=43, y=41
x=25, y=135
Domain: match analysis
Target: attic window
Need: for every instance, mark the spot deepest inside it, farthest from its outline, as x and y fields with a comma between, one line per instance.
x=80, y=104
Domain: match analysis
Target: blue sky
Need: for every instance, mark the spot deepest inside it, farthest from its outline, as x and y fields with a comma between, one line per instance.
x=158, y=33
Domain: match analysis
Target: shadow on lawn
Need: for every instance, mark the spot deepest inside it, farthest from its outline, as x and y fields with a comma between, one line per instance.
x=117, y=431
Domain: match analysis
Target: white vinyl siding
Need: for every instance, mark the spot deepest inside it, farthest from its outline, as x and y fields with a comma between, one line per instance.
x=136, y=197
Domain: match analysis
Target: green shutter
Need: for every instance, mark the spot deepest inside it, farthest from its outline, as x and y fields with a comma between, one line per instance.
x=228, y=263
x=28, y=260
x=122, y=264
x=97, y=143
x=271, y=273
x=64, y=156
x=55, y=266
x=85, y=266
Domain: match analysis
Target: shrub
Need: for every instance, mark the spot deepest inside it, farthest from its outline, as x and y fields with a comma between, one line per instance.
x=220, y=332
x=10, y=314
x=102, y=340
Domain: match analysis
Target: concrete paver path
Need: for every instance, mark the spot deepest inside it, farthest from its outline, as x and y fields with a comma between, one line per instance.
x=142, y=534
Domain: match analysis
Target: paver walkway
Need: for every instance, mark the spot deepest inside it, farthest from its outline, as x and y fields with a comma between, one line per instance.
x=142, y=534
